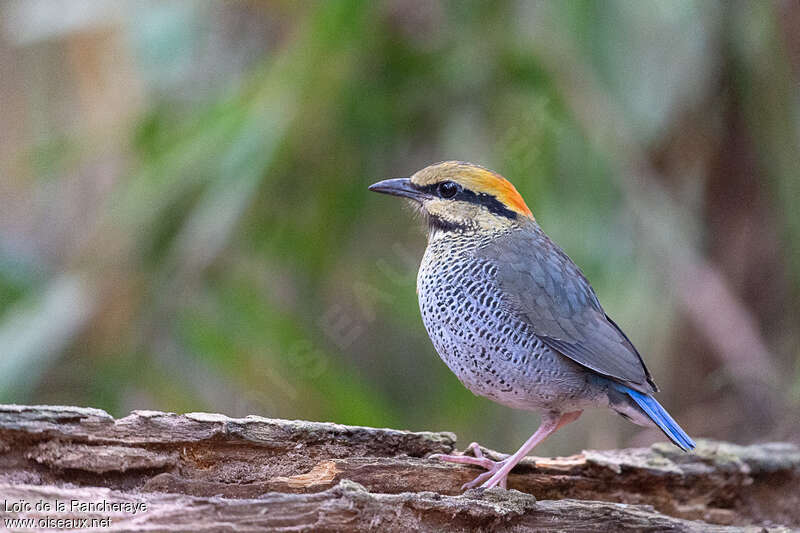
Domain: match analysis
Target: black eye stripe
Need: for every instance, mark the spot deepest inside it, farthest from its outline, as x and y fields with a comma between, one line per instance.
x=489, y=201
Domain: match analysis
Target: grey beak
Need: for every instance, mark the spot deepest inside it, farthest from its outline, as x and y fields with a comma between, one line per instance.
x=398, y=187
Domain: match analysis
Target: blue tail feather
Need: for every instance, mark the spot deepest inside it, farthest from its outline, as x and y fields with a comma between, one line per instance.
x=661, y=417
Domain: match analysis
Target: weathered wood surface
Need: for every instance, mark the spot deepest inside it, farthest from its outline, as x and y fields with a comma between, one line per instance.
x=208, y=472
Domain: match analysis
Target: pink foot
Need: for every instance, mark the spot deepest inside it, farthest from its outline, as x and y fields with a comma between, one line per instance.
x=492, y=467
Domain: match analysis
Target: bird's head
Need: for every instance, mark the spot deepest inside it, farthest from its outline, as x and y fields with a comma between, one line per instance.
x=458, y=196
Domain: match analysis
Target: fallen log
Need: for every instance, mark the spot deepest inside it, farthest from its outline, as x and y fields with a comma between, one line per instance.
x=208, y=472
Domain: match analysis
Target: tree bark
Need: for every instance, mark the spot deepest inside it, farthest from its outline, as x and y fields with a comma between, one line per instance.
x=208, y=472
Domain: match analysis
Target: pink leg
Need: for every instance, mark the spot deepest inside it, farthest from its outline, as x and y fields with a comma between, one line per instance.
x=497, y=471
x=550, y=424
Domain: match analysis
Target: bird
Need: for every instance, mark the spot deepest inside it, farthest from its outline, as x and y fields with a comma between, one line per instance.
x=513, y=317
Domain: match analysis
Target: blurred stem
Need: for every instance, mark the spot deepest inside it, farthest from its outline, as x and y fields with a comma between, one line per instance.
x=770, y=103
x=38, y=329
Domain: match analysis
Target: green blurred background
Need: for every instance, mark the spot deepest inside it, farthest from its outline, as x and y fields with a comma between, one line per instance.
x=185, y=224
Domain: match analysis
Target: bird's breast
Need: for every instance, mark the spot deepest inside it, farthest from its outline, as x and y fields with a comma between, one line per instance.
x=492, y=350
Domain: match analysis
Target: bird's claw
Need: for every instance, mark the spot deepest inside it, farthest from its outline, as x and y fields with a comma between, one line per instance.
x=485, y=480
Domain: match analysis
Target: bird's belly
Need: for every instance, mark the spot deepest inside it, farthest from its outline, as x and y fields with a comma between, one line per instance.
x=494, y=353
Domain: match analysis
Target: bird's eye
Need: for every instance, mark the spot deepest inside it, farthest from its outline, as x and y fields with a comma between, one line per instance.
x=448, y=189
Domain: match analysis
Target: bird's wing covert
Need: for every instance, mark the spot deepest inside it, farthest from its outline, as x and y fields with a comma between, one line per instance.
x=547, y=289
